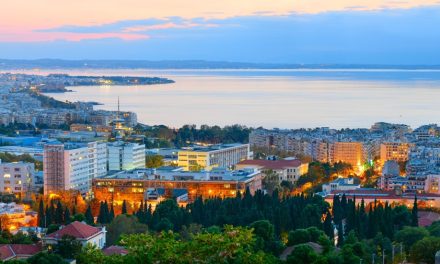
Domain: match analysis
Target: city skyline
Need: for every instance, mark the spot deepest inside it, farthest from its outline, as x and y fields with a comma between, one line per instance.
x=378, y=32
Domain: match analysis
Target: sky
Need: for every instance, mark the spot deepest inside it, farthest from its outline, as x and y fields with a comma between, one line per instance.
x=269, y=31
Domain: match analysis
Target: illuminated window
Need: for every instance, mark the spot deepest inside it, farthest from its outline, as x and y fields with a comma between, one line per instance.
x=7, y=175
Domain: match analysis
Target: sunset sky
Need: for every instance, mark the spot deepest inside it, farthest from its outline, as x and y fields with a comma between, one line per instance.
x=294, y=31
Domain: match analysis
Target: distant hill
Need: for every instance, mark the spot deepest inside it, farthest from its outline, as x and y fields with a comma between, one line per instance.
x=184, y=64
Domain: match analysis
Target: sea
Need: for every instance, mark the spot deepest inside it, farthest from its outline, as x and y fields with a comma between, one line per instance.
x=291, y=98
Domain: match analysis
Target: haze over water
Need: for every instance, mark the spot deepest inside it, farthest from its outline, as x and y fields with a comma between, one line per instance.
x=271, y=98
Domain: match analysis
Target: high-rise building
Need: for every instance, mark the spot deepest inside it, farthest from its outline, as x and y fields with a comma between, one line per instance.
x=73, y=166
x=125, y=156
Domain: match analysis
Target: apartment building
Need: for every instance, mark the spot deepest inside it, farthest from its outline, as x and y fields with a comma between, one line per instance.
x=16, y=177
x=397, y=151
x=125, y=156
x=73, y=166
x=348, y=152
x=207, y=158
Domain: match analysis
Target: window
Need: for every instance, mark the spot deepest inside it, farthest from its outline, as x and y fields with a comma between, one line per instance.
x=17, y=176
x=16, y=169
x=7, y=175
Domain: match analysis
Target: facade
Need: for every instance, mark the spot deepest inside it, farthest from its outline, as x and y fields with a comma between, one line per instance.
x=432, y=184
x=72, y=166
x=133, y=186
x=81, y=232
x=348, y=152
x=287, y=170
x=397, y=151
x=16, y=177
x=207, y=158
x=125, y=156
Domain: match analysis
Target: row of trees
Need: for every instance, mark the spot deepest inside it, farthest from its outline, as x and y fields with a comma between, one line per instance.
x=366, y=222
x=191, y=133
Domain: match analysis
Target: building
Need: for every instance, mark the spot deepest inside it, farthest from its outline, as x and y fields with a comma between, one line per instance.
x=18, y=215
x=18, y=251
x=348, y=152
x=432, y=184
x=340, y=184
x=287, y=170
x=134, y=186
x=391, y=168
x=16, y=178
x=72, y=166
x=369, y=195
x=207, y=158
x=125, y=156
x=397, y=151
x=81, y=232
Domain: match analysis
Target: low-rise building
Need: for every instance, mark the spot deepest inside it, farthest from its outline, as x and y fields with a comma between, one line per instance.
x=207, y=158
x=134, y=186
x=82, y=232
x=287, y=170
x=16, y=177
x=18, y=251
x=340, y=184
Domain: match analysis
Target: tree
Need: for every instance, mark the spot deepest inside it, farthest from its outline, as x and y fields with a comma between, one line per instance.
x=302, y=254
x=89, y=216
x=424, y=250
x=410, y=235
x=46, y=258
x=154, y=161
x=298, y=236
x=123, y=224
x=328, y=225
x=59, y=213
x=41, y=216
x=414, y=213
x=124, y=207
x=271, y=181
x=68, y=247
x=66, y=217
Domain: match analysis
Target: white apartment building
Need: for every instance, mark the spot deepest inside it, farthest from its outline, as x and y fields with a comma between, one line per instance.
x=72, y=166
x=125, y=156
x=16, y=177
x=207, y=158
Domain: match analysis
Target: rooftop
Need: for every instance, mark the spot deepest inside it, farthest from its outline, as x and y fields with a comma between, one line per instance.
x=272, y=164
x=76, y=229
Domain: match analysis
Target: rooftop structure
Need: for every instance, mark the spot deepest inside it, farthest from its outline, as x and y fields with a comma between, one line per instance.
x=82, y=232
x=287, y=170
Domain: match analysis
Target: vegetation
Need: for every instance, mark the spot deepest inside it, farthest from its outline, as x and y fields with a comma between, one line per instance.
x=7, y=157
x=154, y=161
x=165, y=137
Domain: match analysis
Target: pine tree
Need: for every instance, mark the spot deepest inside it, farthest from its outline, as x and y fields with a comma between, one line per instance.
x=59, y=213
x=48, y=217
x=101, y=214
x=112, y=213
x=106, y=213
x=52, y=213
x=41, y=215
x=328, y=226
x=340, y=235
x=67, y=216
x=124, y=207
x=415, y=213
x=89, y=216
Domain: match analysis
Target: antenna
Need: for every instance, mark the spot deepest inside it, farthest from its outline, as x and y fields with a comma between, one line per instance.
x=118, y=107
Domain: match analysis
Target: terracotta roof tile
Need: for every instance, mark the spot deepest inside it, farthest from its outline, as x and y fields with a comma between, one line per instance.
x=77, y=230
x=115, y=250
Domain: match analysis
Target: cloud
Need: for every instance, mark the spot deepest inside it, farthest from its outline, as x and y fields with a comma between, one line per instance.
x=389, y=36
